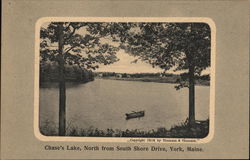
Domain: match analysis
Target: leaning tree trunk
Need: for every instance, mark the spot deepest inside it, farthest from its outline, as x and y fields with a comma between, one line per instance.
x=191, y=91
x=62, y=90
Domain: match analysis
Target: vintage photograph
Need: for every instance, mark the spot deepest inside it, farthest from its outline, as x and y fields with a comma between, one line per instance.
x=125, y=79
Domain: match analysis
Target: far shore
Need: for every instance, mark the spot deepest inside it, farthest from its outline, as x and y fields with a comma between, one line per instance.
x=154, y=79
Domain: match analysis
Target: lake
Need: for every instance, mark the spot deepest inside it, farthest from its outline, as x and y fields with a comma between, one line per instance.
x=103, y=103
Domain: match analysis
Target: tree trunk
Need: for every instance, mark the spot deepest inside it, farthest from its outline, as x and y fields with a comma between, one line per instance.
x=62, y=89
x=191, y=93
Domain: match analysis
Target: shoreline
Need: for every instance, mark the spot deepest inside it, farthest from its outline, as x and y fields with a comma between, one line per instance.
x=199, y=130
x=45, y=84
x=156, y=80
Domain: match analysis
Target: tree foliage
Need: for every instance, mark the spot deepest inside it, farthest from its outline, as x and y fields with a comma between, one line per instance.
x=170, y=45
x=84, y=44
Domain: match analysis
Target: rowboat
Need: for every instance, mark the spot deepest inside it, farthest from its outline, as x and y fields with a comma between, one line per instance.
x=135, y=114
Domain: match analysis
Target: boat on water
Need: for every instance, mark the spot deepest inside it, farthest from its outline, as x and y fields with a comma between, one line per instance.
x=135, y=114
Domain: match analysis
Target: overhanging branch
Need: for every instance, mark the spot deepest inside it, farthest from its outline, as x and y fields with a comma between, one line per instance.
x=70, y=48
x=71, y=34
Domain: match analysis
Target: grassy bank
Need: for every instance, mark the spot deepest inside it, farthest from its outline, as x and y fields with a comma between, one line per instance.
x=200, y=130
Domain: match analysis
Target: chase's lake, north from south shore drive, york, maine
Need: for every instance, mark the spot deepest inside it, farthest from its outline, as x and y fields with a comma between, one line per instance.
x=103, y=103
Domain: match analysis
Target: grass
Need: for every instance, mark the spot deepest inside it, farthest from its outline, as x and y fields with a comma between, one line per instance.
x=183, y=130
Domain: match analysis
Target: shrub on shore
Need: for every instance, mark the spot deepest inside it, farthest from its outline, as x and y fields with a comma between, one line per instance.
x=199, y=130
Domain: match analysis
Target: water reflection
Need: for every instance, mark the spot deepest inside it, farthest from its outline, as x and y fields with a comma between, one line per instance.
x=103, y=104
x=56, y=84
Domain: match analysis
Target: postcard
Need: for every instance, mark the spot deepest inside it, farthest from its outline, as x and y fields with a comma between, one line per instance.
x=125, y=80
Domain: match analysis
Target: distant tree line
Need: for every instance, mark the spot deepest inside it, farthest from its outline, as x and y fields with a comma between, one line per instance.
x=175, y=77
x=133, y=75
x=49, y=72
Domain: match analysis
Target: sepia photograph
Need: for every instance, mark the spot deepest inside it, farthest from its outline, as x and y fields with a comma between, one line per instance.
x=124, y=79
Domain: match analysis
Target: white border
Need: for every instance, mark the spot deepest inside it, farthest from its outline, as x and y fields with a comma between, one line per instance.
x=209, y=21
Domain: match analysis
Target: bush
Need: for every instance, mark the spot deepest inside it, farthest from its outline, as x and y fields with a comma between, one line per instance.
x=183, y=130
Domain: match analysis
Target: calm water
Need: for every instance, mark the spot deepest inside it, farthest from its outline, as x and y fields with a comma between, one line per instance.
x=102, y=104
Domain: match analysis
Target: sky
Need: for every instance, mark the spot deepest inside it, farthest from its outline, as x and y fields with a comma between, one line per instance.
x=124, y=65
